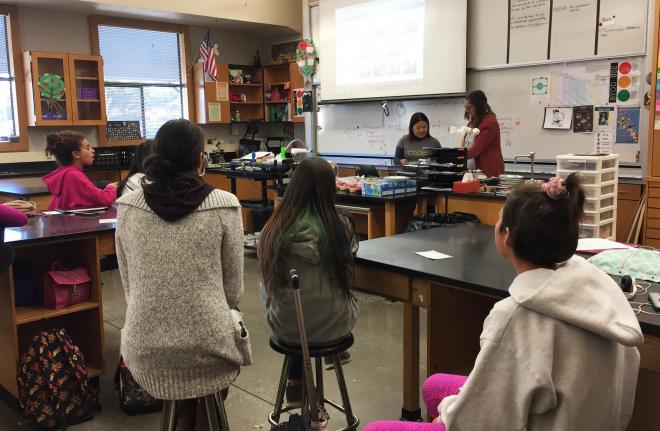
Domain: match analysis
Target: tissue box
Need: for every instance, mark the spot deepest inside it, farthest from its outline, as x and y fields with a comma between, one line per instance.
x=468, y=187
x=377, y=188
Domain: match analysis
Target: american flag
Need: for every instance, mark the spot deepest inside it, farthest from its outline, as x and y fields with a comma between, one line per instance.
x=206, y=52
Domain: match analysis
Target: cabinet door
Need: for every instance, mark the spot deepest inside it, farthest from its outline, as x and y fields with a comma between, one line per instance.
x=87, y=90
x=51, y=89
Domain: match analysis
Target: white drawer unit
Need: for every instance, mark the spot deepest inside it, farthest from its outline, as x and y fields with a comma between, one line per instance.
x=582, y=163
x=600, y=181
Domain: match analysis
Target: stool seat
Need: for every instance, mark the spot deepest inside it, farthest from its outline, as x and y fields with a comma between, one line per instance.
x=318, y=352
x=315, y=351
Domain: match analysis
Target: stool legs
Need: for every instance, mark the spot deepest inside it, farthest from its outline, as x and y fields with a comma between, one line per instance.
x=168, y=417
x=319, y=381
x=215, y=413
x=279, y=399
x=351, y=421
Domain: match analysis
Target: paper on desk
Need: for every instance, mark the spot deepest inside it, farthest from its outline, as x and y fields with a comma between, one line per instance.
x=432, y=254
x=108, y=220
x=257, y=155
x=51, y=212
x=599, y=244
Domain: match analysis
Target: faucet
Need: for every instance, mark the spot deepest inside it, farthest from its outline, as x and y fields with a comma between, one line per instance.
x=531, y=157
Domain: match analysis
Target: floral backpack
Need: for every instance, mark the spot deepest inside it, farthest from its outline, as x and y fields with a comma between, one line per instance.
x=53, y=388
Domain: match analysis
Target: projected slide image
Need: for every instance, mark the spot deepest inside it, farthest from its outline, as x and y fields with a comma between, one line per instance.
x=380, y=41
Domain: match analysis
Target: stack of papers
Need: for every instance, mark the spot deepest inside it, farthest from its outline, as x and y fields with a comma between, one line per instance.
x=599, y=244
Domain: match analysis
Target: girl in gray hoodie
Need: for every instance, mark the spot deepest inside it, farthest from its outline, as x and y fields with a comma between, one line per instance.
x=560, y=353
x=307, y=233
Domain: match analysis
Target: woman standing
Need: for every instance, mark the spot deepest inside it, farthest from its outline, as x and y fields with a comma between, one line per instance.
x=485, y=148
x=410, y=147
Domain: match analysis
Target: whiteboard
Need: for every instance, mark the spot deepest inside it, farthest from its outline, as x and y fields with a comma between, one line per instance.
x=518, y=32
x=485, y=17
x=529, y=25
x=362, y=129
x=571, y=22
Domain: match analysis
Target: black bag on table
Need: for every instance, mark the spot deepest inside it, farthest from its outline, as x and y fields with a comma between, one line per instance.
x=433, y=220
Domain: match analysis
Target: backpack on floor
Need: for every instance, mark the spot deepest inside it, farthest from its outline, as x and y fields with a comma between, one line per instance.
x=53, y=389
x=133, y=400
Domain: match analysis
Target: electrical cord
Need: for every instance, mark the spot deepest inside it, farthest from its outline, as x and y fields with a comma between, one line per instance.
x=642, y=289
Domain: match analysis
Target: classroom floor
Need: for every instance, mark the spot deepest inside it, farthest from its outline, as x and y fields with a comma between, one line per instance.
x=373, y=377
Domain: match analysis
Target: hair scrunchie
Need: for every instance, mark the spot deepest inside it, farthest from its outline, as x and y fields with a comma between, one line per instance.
x=555, y=188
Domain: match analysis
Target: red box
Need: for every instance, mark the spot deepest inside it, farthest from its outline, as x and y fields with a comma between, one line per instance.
x=469, y=187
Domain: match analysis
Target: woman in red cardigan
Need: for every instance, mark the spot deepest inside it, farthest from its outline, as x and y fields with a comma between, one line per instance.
x=485, y=148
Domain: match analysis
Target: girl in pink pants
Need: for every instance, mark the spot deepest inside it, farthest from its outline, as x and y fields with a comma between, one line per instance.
x=435, y=389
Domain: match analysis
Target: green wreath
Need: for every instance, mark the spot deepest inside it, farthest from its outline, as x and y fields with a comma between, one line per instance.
x=306, y=58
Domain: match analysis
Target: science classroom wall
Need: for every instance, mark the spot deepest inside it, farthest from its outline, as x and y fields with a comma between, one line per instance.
x=364, y=129
x=53, y=30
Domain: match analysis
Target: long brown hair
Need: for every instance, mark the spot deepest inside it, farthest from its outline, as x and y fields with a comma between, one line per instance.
x=479, y=100
x=312, y=192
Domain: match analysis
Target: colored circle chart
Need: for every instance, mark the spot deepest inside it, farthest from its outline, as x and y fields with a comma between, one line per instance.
x=625, y=81
x=625, y=67
x=299, y=102
x=625, y=87
x=623, y=95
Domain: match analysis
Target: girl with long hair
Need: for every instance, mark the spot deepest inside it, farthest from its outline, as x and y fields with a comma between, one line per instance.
x=307, y=233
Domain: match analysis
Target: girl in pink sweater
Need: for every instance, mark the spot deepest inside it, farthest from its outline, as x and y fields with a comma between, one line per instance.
x=68, y=184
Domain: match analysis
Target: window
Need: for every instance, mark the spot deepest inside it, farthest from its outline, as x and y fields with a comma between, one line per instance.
x=9, y=129
x=144, y=76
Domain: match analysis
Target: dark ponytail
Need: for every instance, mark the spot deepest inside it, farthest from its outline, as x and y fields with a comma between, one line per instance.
x=142, y=151
x=62, y=145
x=542, y=230
x=173, y=163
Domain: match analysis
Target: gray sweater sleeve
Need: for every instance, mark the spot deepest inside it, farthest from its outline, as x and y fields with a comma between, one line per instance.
x=121, y=256
x=232, y=254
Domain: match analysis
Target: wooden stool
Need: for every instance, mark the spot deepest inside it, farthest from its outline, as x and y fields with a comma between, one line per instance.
x=316, y=352
x=215, y=413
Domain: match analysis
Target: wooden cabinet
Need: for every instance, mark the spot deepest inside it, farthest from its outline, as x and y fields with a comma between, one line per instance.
x=652, y=227
x=206, y=96
x=626, y=208
x=652, y=210
x=280, y=83
x=64, y=89
x=246, y=96
x=83, y=321
x=88, y=90
x=254, y=94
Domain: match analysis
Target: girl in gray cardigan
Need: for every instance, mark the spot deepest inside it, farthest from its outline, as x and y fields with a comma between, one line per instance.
x=180, y=250
x=307, y=233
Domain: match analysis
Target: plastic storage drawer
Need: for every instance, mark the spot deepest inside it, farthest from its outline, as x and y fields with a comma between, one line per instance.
x=604, y=230
x=594, y=218
x=597, y=204
x=587, y=163
x=592, y=177
x=598, y=190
